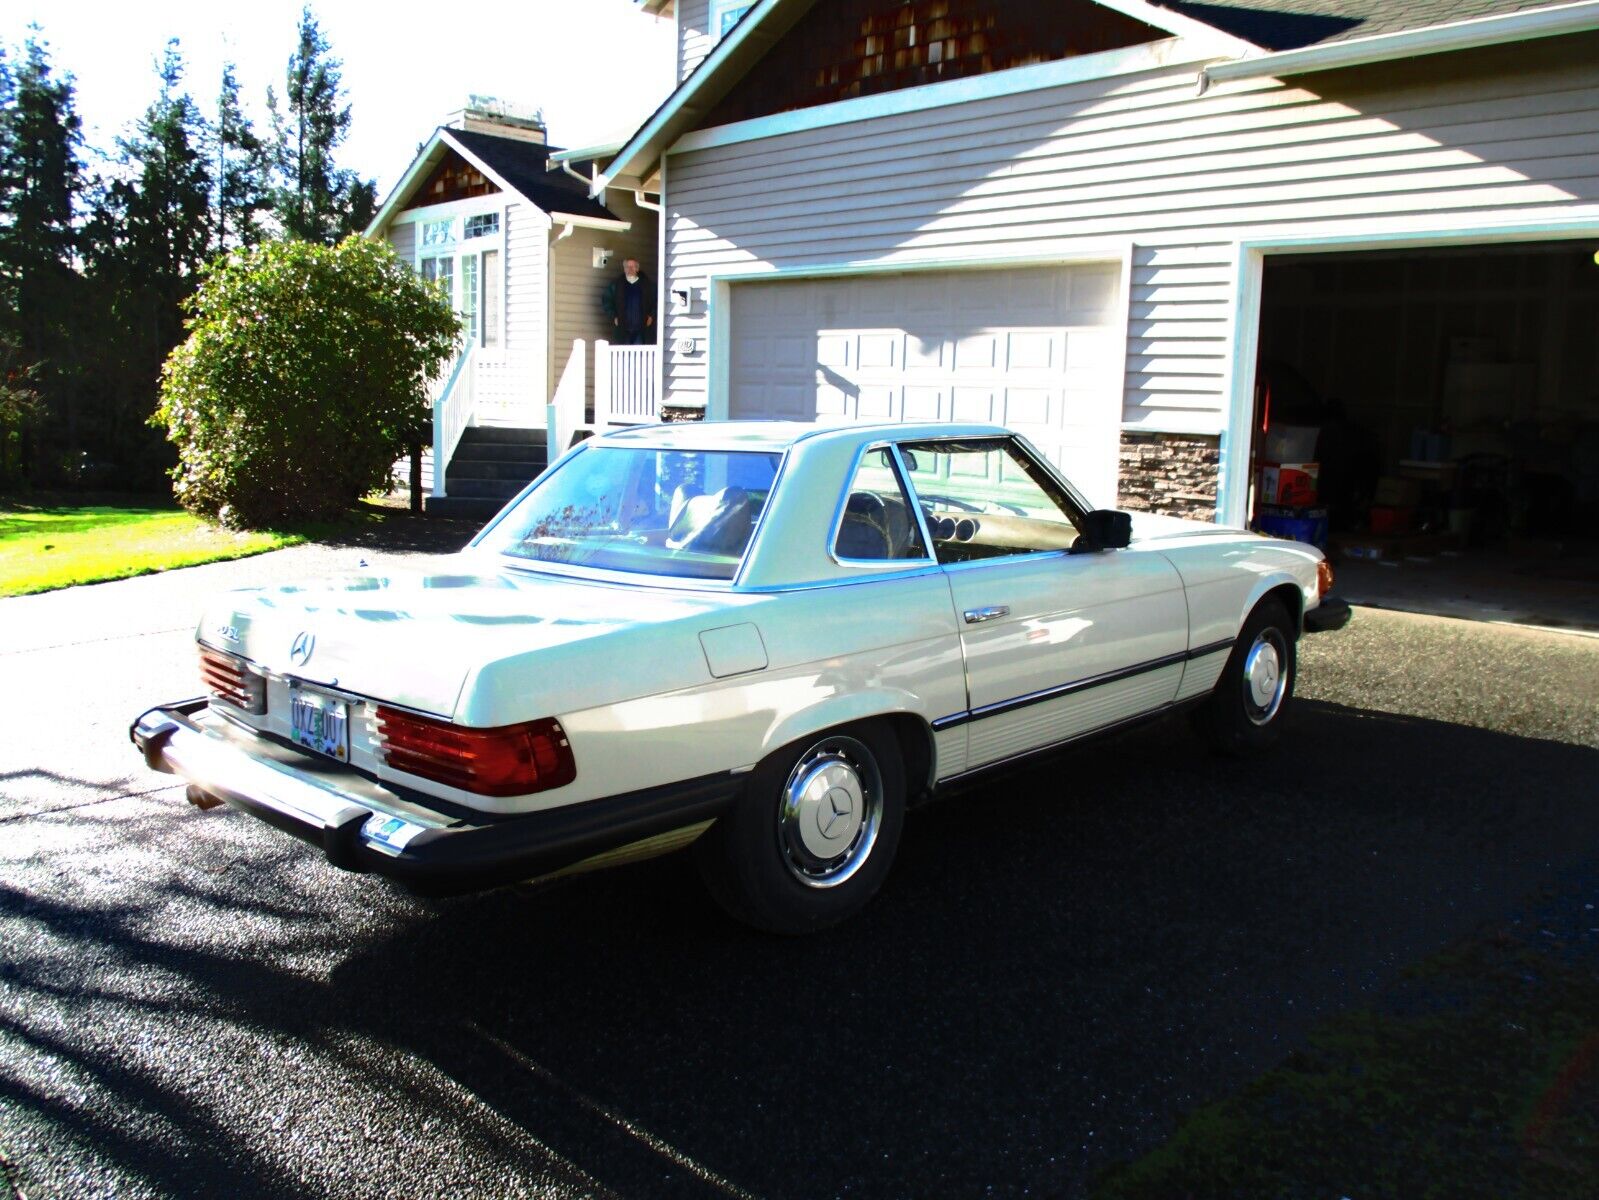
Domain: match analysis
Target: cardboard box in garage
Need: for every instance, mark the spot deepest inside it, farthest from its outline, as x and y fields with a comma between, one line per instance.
x=1291, y=484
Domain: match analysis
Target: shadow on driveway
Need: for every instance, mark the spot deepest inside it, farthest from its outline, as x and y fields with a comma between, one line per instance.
x=1061, y=964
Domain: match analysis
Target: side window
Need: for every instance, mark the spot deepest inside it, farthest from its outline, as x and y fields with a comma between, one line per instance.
x=878, y=523
x=985, y=499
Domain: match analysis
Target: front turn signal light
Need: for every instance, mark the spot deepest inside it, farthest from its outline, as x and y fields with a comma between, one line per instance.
x=1324, y=577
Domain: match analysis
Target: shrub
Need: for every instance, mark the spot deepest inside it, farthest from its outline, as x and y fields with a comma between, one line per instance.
x=303, y=377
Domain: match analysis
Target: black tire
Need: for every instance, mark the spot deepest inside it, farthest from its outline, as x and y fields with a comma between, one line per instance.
x=766, y=861
x=1234, y=719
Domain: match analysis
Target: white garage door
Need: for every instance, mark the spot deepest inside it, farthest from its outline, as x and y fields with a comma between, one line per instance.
x=1036, y=349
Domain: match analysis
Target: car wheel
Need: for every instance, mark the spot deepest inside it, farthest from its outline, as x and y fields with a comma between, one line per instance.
x=1245, y=711
x=813, y=836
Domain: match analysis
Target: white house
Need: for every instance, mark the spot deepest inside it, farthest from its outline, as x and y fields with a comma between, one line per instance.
x=1093, y=219
x=526, y=254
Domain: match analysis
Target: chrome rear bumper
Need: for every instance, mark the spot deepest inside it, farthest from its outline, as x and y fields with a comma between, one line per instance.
x=362, y=825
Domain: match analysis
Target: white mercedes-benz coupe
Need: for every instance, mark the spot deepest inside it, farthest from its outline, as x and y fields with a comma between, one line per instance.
x=765, y=639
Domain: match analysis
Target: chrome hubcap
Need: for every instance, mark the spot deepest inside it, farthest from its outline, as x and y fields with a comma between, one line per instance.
x=832, y=806
x=1265, y=676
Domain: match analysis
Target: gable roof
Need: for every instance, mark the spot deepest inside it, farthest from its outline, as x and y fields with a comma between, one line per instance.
x=1251, y=37
x=522, y=165
x=1293, y=24
x=759, y=29
x=515, y=164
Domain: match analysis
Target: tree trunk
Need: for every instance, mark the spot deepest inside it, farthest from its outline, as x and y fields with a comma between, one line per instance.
x=416, y=478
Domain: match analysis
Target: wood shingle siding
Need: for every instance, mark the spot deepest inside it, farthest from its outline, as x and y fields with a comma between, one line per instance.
x=1508, y=135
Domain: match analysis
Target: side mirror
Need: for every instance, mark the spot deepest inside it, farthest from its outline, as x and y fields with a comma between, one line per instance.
x=908, y=457
x=1107, y=529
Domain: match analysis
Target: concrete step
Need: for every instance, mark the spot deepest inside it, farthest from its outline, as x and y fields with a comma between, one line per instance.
x=501, y=451
x=472, y=508
x=503, y=435
x=489, y=489
x=477, y=468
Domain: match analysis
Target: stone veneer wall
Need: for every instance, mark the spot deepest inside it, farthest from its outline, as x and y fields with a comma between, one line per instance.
x=1170, y=473
x=676, y=416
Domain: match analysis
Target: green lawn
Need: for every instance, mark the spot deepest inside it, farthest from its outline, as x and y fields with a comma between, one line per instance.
x=43, y=547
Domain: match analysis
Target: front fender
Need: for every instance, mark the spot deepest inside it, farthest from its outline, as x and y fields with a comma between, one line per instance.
x=1271, y=581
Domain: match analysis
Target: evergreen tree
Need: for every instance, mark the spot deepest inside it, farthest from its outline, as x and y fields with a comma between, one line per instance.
x=152, y=237
x=165, y=204
x=315, y=199
x=242, y=172
x=41, y=180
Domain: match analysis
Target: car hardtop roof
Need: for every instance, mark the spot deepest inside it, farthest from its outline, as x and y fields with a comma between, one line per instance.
x=776, y=436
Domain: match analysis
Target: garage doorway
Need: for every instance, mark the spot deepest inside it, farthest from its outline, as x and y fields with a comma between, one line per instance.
x=1039, y=349
x=1449, y=401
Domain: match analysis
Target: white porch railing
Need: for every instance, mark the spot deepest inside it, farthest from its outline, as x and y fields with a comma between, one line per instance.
x=566, y=412
x=453, y=405
x=626, y=385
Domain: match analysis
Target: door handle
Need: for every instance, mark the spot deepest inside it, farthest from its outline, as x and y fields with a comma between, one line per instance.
x=976, y=616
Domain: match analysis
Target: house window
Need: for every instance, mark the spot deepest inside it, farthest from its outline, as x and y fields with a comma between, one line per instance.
x=437, y=234
x=464, y=256
x=469, y=294
x=491, y=298
x=725, y=14
x=441, y=269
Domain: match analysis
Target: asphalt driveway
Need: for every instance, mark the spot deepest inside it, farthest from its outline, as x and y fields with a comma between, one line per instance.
x=1062, y=963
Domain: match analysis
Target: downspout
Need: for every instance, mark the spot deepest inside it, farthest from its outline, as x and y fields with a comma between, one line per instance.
x=638, y=199
x=566, y=232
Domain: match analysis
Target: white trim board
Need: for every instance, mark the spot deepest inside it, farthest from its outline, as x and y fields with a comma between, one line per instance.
x=1106, y=64
x=472, y=206
x=1232, y=492
x=563, y=218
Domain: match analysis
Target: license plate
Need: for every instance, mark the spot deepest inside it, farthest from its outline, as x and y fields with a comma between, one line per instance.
x=320, y=723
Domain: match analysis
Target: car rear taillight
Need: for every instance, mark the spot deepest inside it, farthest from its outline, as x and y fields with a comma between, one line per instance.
x=512, y=760
x=228, y=678
x=1324, y=577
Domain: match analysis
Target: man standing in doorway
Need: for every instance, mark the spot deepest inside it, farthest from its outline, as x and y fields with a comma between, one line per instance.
x=630, y=303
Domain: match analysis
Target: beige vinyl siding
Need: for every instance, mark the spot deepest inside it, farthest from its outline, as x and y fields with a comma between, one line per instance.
x=403, y=239
x=513, y=375
x=577, y=287
x=1143, y=161
x=694, y=36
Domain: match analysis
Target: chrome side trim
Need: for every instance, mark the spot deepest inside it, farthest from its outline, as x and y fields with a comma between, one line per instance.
x=1088, y=734
x=1079, y=685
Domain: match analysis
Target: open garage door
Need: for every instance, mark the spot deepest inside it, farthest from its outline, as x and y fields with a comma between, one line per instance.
x=1449, y=400
x=1037, y=349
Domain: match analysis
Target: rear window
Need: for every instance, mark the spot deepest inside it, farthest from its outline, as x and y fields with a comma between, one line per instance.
x=687, y=514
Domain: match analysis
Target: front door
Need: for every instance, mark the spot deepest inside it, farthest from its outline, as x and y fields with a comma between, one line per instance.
x=1056, y=644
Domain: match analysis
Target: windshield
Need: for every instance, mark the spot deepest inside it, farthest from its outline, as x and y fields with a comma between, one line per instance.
x=683, y=513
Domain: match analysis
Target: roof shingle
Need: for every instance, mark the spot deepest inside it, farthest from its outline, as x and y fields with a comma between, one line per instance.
x=521, y=164
x=1291, y=24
